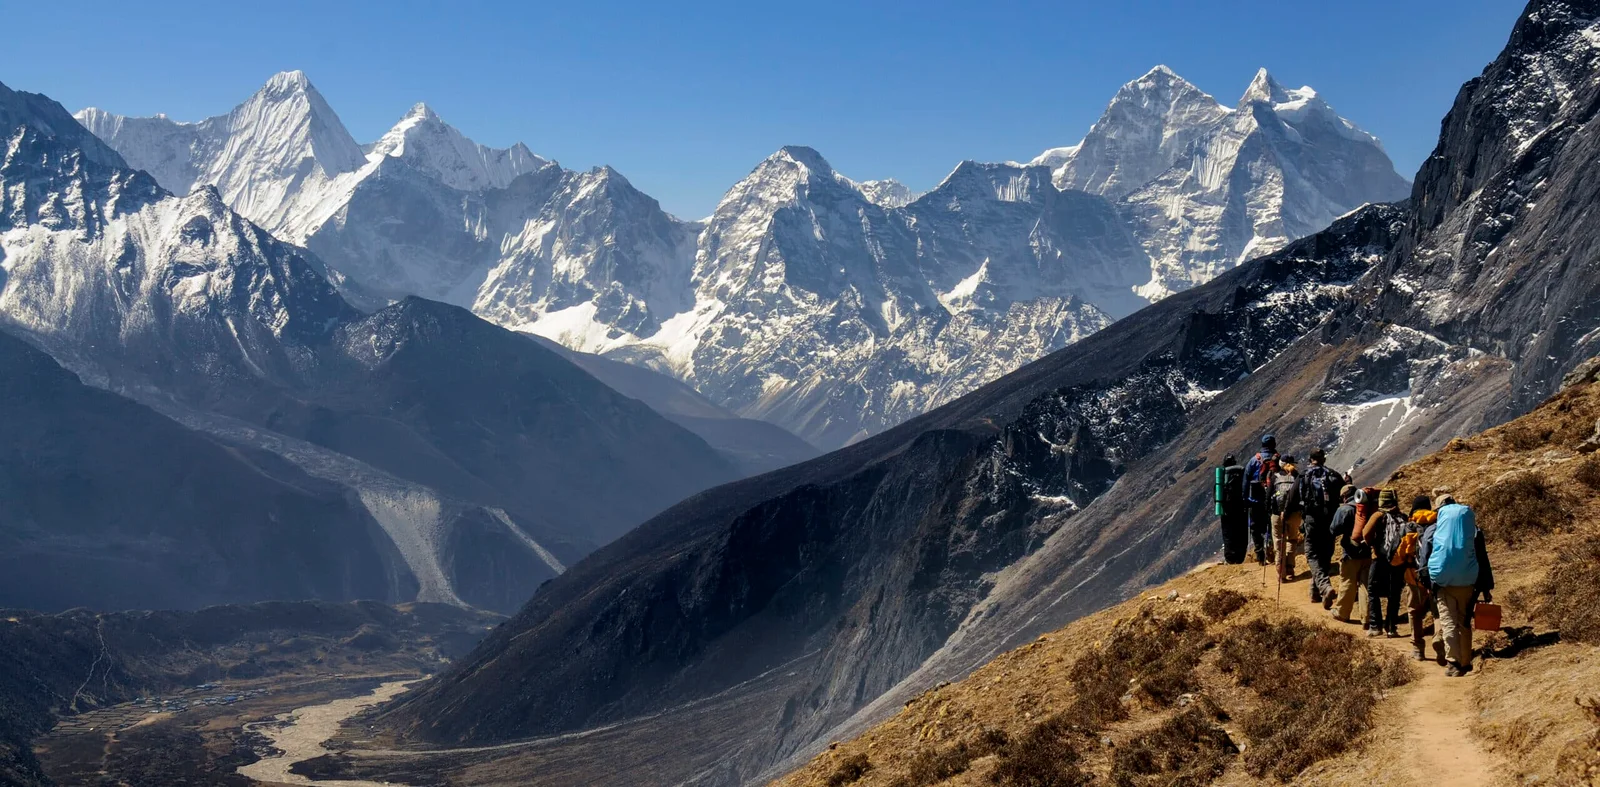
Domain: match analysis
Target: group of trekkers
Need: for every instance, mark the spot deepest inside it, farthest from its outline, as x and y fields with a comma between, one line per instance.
x=1433, y=556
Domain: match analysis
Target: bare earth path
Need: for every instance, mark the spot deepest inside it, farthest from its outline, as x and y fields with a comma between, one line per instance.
x=1439, y=747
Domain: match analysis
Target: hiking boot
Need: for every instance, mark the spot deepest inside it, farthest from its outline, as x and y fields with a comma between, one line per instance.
x=1316, y=596
x=1327, y=602
x=1464, y=668
x=1438, y=652
x=1394, y=633
x=1421, y=655
x=1335, y=615
x=1372, y=633
x=1453, y=671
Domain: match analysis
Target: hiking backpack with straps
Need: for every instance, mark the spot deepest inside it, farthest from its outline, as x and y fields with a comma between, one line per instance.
x=1453, y=559
x=1258, y=476
x=1285, y=491
x=1320, y=490
x=1229, y=487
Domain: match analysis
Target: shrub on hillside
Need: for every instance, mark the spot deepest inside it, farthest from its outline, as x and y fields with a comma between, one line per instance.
x=1520, y=506
x=1148, y=657
x=1588, y=472
x=1219, y=604
x=850, y=770
x=1564, y=598
x=1518, y=437
x=1187, y=749
x=1044, y=756
x=1318, y=689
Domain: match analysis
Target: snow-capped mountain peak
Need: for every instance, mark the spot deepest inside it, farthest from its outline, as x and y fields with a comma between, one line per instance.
x=888, y=193
x=428, y=143
x=1147, y=126
x=258, y=156
x=1212, y=186
x=1266, y=89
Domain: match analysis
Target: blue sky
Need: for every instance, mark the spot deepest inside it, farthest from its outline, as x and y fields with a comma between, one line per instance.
x=685, y=99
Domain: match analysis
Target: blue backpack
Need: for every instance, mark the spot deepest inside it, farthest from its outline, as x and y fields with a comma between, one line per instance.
x=1454, y=558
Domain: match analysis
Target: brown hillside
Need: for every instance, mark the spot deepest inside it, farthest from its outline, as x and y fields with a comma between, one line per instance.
x=1175, y=687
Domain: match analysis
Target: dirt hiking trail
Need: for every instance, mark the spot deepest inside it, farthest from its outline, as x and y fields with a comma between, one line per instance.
x=1435, y=711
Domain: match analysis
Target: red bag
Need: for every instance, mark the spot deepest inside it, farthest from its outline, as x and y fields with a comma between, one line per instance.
x=1486, y=616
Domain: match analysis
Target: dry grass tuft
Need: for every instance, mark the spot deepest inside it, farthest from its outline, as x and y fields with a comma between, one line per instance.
x=1521, y=506
x=1518, y=437
x=1146, y=658
x=1044, y=756
x=1319, y=688
x=1582, y=763
x=1564, y=597
x=1187, y=749
x=1588, y=472
x=1220, y=603
x=850, y=770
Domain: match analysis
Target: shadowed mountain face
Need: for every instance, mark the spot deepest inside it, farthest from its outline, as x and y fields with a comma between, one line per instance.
x=910, y=558
x=475, y=463
x=111, y=505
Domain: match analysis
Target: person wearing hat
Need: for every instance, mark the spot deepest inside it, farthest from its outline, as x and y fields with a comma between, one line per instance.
x=1453, y=561
x=1383, y=533
x=1258, y=496
x=1419, y=600
x=1355, y=559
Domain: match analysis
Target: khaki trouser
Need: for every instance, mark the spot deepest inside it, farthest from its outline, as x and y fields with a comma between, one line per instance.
x=1287, y=541
x=1352, y=579
x=1453, y=627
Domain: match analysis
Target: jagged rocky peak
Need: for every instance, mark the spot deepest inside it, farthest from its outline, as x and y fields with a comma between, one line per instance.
x=260, y=155
x=1148, y=124
x=424, y=140
x=985, y=181
x=888, y=193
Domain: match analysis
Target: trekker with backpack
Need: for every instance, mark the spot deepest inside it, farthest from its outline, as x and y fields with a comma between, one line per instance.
x=1287, y=513
x=1258, y=494
x=1384, y=531
x=1228, y=492
x=1319, y=496
x=1355, y=558
x=1404, y=561
x=1454, y=562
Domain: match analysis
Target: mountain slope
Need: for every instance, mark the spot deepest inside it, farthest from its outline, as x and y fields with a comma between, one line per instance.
x=754, y=446
x=484, y=491
x=111, y=505
x=883, y=569
x=852, y=568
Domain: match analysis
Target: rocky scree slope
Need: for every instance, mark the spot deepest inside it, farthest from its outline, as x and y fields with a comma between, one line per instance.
x=484, y=490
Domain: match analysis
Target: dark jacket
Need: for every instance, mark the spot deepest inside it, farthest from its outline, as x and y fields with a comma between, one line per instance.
x=1344, y=521
x=1485, y=581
